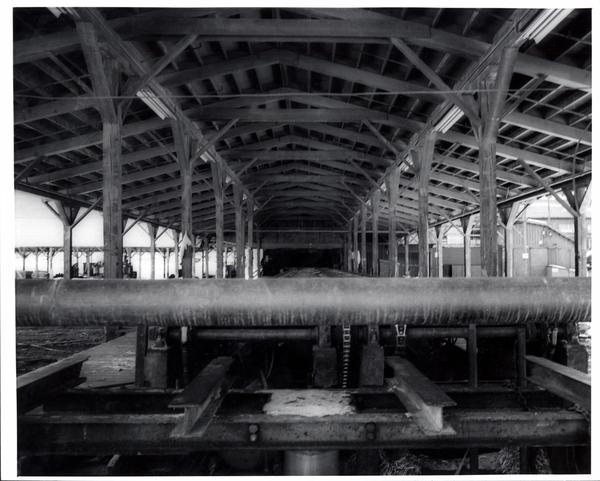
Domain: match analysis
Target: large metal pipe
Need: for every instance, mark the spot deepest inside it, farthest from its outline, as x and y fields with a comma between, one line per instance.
x=302, y=301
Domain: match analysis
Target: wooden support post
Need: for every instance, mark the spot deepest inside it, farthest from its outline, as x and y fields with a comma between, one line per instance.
x=166, y=266
x=68, y=216
x=440, y=232
x=50, y=263
x=350, y=252
x=375, y=198
x=88, y=261
x=355, y=251
x=250, y=219
x=111, y=209
x=363, y=239
x=176, y=252
x=240, y=244
x=467, y=225
x=422, y=159
x=67, y=248
x=492, y=98
x=508, y=215
x=152, y=230
x=578, y=199
x=407, y=255
x=206, y=252
x=217, y=178
x=392, y=183
x=183, y=146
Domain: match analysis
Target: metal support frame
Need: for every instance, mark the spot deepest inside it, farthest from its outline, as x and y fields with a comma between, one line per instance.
x=150, y=434
x=564, y=381
x=423, y=399
x=36, y=387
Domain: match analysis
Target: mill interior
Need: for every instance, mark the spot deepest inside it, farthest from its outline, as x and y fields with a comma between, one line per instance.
x=310, y=165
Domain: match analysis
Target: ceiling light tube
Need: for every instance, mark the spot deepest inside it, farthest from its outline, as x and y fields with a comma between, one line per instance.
x=544, y=23
x=453, y=116
x=155, y=103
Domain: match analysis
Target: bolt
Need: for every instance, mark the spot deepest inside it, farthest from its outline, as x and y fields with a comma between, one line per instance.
x=370, y=427
x=253, y=428
x=253, y=438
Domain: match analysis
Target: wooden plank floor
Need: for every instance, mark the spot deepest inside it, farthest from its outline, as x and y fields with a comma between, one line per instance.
x=111, y=363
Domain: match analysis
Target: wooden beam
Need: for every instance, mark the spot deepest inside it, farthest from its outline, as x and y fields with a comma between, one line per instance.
x=435, y=79
x=492, y=99
x=422, y=159
x=250, y=217
x=386, y=143
x=136, y=220
x=467, y=225
x=440, y=40
x=392, y=182
x=28, y=168
x=160, y=65
x=578, y=197
x=183, y=145
x=355, y=249
x=275, y=30
x=549, y=127
x=363, y=172
x=546, y=185
x=103, y=95
x=240, y=244
x=513, y=153
x=67, y=215
x=472, y=49
x=210, y=142
x=363, y=239
x=375, y=199
x=299, y=115
x=112, y=202
x=87, y=211
x=218, y=189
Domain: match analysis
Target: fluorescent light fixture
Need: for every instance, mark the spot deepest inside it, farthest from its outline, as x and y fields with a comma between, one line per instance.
x=452, y=116
x=57, y=11
x=155, y=103
x=544, y=23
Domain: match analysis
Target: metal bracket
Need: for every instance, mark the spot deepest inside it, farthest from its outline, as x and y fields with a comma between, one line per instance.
x=400, y=336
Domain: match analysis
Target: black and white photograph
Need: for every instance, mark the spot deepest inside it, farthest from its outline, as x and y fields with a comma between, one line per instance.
x=298, y=240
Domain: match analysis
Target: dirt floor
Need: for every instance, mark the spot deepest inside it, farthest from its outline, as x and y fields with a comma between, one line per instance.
x=39, y=346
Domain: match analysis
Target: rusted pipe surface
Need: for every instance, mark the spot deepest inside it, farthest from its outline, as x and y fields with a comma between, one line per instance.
x=302, y=301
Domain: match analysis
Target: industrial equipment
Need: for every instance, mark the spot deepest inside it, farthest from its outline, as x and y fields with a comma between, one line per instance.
x=315, y=375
